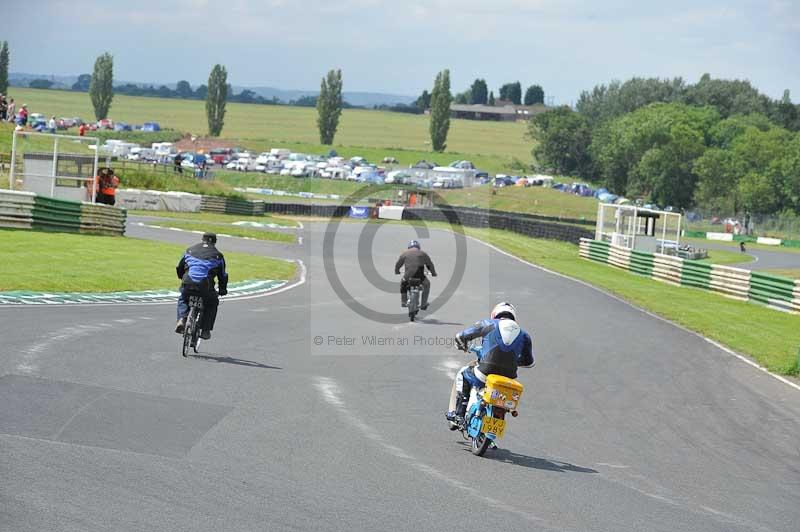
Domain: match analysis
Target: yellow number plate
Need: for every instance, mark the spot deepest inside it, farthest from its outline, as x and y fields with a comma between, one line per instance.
x=494, y=426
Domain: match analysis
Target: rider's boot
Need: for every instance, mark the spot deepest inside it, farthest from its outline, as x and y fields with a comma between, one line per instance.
x=205, y=335
x=180, y=326
x=456, y=418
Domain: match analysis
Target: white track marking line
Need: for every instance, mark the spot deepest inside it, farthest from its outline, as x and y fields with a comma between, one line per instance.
x=231, y=299
x=330, y=393
x=647, y=312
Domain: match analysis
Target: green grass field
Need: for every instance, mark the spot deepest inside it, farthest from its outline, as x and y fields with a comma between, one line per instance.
x=532, y=200
x=275, y=126
x=118, y=263
x=216, y=218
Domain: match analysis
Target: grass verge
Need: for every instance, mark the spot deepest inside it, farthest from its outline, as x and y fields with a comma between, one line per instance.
x=768, y=336
x=723, y=257
x=213, y=217
x=88, y=263
x=231, y=230
x=791, y=273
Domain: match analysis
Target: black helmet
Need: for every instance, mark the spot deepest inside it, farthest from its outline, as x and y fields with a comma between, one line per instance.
x=209, y=238
x=413, y=244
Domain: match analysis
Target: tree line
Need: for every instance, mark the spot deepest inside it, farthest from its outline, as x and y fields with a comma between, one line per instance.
x=478, y=93
x=717, y=144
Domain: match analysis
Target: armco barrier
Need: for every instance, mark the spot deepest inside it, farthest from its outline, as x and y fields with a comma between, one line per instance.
x=97, y=219
x=777, y=292
x=508, y=222
x=26, y=210
x=222, y=205
x=526, y=225
x=16, y=209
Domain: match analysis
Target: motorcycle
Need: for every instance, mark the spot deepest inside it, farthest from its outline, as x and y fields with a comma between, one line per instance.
x=414, y=294
x=485, y=420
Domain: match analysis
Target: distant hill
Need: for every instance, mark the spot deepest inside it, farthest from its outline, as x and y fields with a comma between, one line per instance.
x=362, y=99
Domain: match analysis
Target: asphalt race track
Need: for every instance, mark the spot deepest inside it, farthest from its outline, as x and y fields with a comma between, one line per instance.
x=764, y=258
x=628, y=423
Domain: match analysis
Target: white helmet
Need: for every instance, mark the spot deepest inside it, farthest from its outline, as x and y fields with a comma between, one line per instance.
x=504, y=308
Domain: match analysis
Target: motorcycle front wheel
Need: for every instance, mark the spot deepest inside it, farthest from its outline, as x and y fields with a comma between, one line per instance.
x=480, y=443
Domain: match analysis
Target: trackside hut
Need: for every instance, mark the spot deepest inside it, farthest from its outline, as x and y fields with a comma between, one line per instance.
x=505, y=113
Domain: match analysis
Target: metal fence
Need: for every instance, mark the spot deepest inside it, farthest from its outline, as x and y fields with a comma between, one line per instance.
x=783, y=226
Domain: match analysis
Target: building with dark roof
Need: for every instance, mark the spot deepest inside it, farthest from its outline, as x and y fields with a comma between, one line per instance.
x=506, y=113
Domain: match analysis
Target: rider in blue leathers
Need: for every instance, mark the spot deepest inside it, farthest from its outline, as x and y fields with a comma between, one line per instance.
x=505, y=347
x=197, y=269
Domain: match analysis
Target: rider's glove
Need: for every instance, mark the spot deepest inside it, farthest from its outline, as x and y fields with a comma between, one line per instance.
x=461, y=343
x=433, y=275
x=223, y=292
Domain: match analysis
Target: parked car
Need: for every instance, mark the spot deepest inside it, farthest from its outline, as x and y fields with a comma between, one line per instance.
x=151, y=126
x=501, y=181
x=389, y=160
x=122, y=126
x=220, y=155
x=462, y=165
x=399, y=177
x=105, y=123
x=425, y=165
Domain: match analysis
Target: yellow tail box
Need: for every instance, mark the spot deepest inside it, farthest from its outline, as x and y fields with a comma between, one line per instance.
x=502, y=391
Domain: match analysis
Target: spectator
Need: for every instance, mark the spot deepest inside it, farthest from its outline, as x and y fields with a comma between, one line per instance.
x=82, y=130
x=3, y=108
x=178, y=160
x=741, y=247
x=22, y=118
x=51, y=124
x=11, y=110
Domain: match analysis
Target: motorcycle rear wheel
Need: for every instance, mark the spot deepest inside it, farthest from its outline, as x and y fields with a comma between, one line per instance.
x=480, y=443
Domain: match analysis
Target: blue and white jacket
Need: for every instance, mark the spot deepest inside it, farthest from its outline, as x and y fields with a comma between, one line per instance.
x=505, y=347
x=200, y=262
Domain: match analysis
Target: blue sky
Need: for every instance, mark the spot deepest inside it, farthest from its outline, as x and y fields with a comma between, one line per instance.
x=398, y=46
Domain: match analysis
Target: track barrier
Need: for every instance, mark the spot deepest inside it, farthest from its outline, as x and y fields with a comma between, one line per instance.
x=777, y=292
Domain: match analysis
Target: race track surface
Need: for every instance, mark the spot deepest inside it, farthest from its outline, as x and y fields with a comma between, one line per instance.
x=626, y=423
x=765, y=259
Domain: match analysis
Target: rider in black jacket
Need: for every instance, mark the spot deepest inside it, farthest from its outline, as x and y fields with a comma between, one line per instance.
x=197, y=269
x=415, y=261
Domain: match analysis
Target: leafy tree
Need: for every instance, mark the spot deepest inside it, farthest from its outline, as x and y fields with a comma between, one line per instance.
x=165, y=92
x=215, y=99
x=101, y=88
x=82, y=85
x=788, y=170
x=786, y=114
x=491, y=98
x=729, y=97
x=534, y=94
x=329, y=106
x=650, y=151
x=305, y=101
x=724, y=132
x=440, y=111
x=479, y=92
x=184, y=90
x=201, y=92
x=463, y=97
x=606, y=102
x=758, y=193
x=4, y=61
x=717, y=181
x=563, y=139
x=40, y=84
x=512, y=92
x=424, y=100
